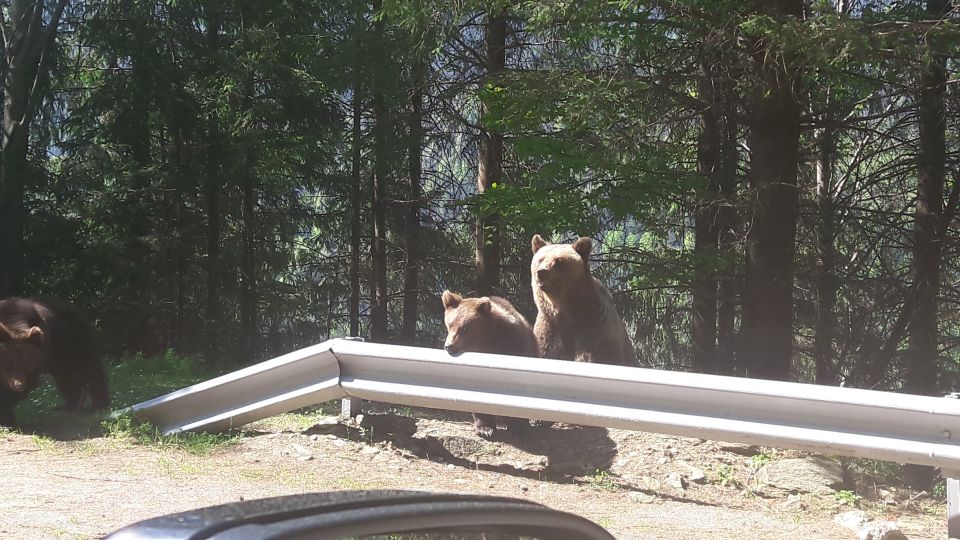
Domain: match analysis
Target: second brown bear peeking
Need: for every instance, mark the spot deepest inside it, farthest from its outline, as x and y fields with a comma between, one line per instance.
x=486, y=325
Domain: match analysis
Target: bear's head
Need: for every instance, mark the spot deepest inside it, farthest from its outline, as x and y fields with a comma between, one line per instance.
x=21, y=355
x=468, y=322
x=557, y=268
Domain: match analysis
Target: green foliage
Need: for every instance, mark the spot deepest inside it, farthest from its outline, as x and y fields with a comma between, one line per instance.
x=139, y=378
x=126, y=427
x=603, y=481
x=161, y=122
x=132, y=380
x=759, y=460
x=848, y=498
x=726, y=475
x=939, y=489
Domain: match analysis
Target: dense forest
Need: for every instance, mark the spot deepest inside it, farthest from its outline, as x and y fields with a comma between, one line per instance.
x=772, y=186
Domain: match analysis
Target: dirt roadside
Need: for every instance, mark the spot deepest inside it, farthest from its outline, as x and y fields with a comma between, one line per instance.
x=87, y=487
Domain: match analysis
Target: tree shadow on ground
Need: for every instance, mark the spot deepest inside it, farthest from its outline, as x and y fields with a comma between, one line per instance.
x=565, y=455
x=560, y=454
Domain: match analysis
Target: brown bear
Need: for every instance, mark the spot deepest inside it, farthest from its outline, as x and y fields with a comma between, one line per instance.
x=576, y=318
x=488, y=324
x=45, y=335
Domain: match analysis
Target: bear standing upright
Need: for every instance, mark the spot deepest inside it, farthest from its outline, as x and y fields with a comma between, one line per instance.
x=488, y=324
x=45, y=335
x=576, y=318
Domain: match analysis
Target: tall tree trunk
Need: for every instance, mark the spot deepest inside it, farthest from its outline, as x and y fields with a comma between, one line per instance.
x=214, y=282
x=490, y=164
x=139, y=336
x=929, y=233
x=356, y=206
x=13, y=170
x=27, y=51
x=212, y=203
x=928, y=219
x=826, y=322
x=825, y=331
x=727, y=225
x=411, y=278
x=178, y=244
x=704, y=330
x=249, y=313
x=774, y=143
x=378, y=308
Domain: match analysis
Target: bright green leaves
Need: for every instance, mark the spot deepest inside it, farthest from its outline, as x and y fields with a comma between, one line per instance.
x=546, y=209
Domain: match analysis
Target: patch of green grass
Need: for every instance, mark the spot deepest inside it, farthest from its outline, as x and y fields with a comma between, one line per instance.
x=87, y=448
x=131, y=380
x=43, y=443
x=604, y=522
x=351, y=484
x=759, y=460
x=253, y=474
x=725, y=475
x=126, y=427
x=603, y=480
x=140, y=378
x=939, y=489
x=178, y=468
x=845, y=496
x=301, y=419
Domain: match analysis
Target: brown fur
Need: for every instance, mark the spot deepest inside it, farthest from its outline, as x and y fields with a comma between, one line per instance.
x=485, y=325
x=576, y=318
x=47, y=336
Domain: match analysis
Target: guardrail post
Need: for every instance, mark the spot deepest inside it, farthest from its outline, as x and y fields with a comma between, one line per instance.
x=952, y=479
x=350, y=407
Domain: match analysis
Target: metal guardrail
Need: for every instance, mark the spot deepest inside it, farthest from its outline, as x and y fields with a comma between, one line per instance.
x=832, y=420
x=292, y=381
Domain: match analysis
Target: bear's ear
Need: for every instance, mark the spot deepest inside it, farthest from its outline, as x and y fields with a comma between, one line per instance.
x=583, y=246
x=451, y=300
x=483, y=306
x=35, y=336
x=537, y=243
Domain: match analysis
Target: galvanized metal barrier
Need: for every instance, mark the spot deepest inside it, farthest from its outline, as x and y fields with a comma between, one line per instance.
x=299, y=379
x=838, y=421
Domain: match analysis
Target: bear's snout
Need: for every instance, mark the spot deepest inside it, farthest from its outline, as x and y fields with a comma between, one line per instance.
x=16, y=384
x=546, y=278
x=452, y=350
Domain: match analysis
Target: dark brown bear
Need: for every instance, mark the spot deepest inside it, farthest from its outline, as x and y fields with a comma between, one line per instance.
x=576, y=318
x=44, y=335
x=486, y=325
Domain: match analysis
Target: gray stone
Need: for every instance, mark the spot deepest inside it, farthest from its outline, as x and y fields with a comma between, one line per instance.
x=853, y=520
x=812, y=474
x=641, y=497
x=676, y=480
x=694, y=474
x=881, y=530
x=867, y=529
x=648, y=483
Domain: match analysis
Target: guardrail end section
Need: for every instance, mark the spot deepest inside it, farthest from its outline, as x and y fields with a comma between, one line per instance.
x=952, y=479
